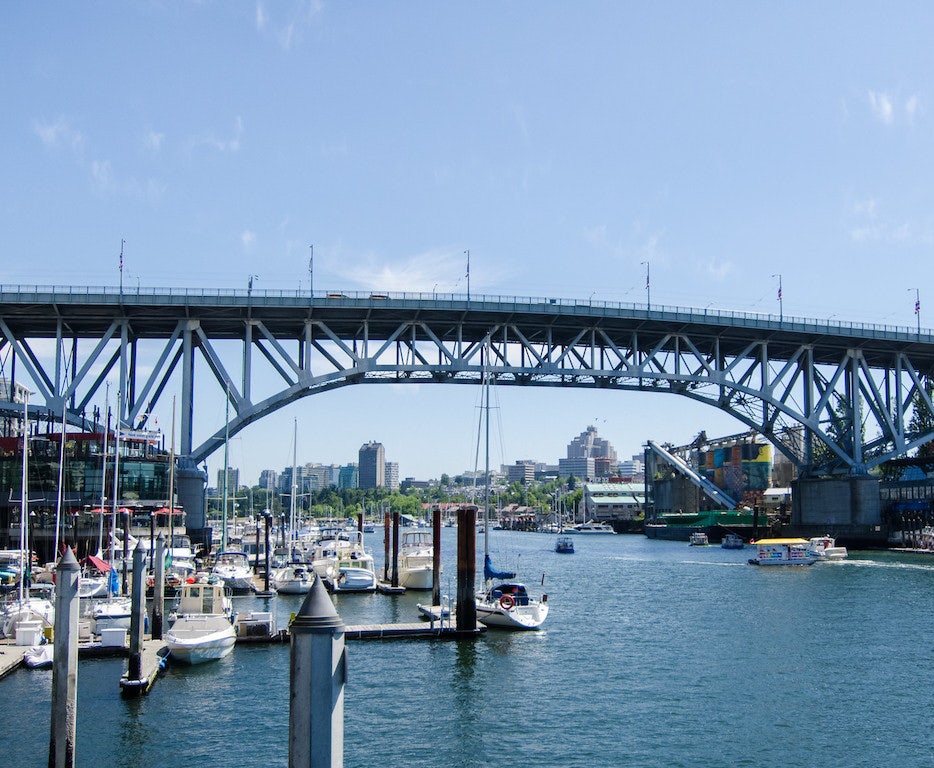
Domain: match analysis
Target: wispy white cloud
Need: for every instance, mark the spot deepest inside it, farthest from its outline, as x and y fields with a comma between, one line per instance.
x=58, y=134
x=889, y=109
x=872, y=224
x=153, y=140
x=248, y=239
x=717, y=269
x=227, y=145
x=286, y=32
x=441, y=271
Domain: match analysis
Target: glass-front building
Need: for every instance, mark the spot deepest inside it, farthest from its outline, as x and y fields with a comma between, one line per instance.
x=87, y=481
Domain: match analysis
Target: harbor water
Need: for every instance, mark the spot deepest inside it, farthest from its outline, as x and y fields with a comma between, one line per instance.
x=654, y=654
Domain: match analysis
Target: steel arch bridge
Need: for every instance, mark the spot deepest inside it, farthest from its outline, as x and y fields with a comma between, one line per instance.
x=832, y=396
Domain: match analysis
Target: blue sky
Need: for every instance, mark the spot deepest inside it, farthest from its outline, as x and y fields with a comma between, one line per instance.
x=564, y=145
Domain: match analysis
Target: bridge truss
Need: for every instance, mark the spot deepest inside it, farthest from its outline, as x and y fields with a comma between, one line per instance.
x=833, y=397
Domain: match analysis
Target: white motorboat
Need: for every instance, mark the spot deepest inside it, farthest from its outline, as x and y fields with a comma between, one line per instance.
x=203, y=630
x=114, y=612
x=293, y=579
x=416, y=560
x=732, y=541
x=825, y=548
x=788, y=551
x=39, y=656
x=235, y=570
x=591, y=527
x=698, y=539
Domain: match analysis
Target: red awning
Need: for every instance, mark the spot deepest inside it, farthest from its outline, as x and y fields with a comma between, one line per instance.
x=102, y=566
x=166, y=511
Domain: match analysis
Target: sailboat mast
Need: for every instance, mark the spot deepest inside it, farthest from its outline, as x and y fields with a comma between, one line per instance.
x=61, y=480
x=226, y=459
x=100, y=525
x=486, y=470
x=113, y=519
x=172, y=482
x=294, y=487
x=23, y=503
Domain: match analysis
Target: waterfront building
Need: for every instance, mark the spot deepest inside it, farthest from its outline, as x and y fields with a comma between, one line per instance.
x=621, y=504
x=372, y=465
x=143, y=486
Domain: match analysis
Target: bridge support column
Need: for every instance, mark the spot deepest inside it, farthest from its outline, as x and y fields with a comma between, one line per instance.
x=190, y=483
x=848, y=507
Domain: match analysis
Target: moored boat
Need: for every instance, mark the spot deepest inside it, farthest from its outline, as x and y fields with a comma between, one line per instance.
x=698, y=539
x=732, y=541
x=416, y=560
x=203, y=630
x=591, y=527
x=509, y=606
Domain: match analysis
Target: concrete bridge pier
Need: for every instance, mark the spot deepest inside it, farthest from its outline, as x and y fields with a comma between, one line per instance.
x=848, y=508
x=190, y=482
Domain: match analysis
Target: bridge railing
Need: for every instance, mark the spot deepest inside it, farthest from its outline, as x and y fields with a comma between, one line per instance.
x=298, y=297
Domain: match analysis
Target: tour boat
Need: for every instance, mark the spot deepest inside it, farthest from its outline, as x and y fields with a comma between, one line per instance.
x=732, y=541
x=564, y=545
x=698, y=539
x=782, y=552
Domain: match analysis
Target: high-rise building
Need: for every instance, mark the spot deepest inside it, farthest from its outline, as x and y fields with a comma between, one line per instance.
x=268, y=479
x=392, y=475
x=348, y=477
x=372, y=463
x=588, y=446
x=233, y=480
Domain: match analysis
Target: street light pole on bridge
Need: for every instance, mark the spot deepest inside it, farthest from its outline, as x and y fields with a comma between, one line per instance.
x=780, y=314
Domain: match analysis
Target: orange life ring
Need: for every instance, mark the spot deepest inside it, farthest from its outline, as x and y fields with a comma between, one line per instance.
x=506, y=602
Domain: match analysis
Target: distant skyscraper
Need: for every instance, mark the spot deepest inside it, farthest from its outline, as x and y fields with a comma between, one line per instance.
x=348, y=477
x=372, y=463
x=392, y=475
x=588, y=446
x=233, y=480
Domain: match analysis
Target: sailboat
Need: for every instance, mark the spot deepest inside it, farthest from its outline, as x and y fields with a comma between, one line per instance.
x=295, y=577
x=30, y=614
x=504, y=602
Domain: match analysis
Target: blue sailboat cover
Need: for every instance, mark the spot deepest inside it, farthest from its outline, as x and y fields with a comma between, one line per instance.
x=489, y=573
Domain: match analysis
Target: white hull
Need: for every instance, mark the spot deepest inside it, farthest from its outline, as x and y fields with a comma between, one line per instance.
x=353, y=580
x=517, y=617
x=197, y=638
x=417, y=578
x=31, y=609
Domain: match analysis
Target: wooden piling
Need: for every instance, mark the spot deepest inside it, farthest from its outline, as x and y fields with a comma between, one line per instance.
x=158, y=590
x=466, y=614
x=436, y=558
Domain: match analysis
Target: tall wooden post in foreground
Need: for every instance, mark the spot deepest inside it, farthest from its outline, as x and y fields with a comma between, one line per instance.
x=65, y=663
x=318, y=670
x=436, y=556
x=466, y=568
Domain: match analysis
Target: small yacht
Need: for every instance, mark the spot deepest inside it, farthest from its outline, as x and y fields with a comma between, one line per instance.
x=203, y=630
x=564, y=545
x=416, y=560
x=592, y=527
x=732, y=541
x=698, y=539
x=235, y=570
